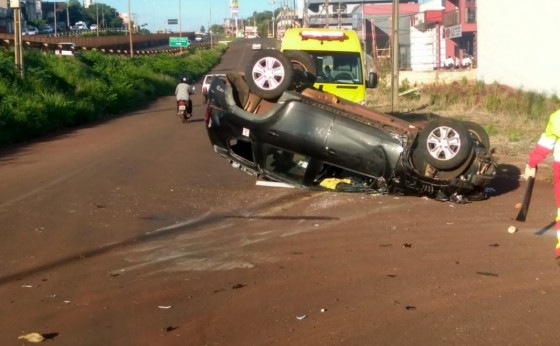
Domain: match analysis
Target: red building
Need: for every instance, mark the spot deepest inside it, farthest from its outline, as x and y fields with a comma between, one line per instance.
x=457, y=23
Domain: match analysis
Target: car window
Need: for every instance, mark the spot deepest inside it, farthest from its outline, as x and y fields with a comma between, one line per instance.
x=287, y=164
x=338, y=67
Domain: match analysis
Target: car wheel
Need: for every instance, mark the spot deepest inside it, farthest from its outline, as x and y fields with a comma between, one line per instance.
x=269, y=73
x=478, y=134
x=445, y=143
x=305, y=69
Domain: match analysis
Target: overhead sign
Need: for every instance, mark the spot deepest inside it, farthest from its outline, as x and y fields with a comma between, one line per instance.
x=179, y=42
x=172, y=21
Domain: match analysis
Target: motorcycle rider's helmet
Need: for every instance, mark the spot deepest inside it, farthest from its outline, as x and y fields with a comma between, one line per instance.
x=184, y=79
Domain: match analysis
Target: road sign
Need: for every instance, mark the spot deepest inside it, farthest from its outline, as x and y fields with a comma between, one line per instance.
x=179, y=42
x=172, y=22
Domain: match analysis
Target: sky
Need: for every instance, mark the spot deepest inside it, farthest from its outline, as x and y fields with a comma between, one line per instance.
x=194, y=13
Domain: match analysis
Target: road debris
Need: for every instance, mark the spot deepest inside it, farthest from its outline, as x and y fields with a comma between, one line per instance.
x=165, y=306
x=32, y=337
x=487, y=274
x=302, y=317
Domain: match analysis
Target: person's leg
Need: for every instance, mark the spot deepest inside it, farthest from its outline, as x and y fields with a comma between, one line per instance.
x=556, y=167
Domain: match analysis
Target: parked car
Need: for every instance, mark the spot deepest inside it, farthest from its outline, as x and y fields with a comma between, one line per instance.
x=206, y=83
x=46, y=29
x=271, y=123
x=93, y=27
x=31, y=30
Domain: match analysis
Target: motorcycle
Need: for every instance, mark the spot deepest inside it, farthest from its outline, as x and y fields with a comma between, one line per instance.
x=184, y=110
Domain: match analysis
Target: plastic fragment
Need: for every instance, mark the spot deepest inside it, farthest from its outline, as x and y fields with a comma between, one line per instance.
x=302, y=317
x=32, y=337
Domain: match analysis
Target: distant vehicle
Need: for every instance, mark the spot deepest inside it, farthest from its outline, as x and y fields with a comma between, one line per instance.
x=80, y=26
x=198, y=38
x=46, y=29
x=65, y=49
x=31, y=30
x=93, y=27
x=206, y=83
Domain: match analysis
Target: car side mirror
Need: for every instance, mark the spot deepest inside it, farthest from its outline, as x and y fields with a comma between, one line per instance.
x=372, y=80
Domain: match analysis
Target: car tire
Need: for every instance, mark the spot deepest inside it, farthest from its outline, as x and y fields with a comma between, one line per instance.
x=269, y=73
x=478, y=134
x=445, y=143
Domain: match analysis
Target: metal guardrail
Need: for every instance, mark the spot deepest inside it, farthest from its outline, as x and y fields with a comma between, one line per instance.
x=117, y=44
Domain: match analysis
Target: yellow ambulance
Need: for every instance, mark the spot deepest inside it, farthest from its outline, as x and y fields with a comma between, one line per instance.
x=338, y=57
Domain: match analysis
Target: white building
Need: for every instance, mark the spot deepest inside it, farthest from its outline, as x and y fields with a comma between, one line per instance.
x=518, y=44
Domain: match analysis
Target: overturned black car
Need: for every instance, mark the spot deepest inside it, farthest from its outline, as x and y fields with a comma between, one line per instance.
x=270, y=122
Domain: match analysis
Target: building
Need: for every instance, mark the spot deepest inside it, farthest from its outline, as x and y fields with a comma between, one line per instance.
x=443, y=29
x=30, y=9
x=379, y=17
x=517, y=44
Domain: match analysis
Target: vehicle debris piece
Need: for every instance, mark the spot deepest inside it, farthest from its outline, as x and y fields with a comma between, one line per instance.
x=238, y=286
x=409, y=245
x=165, y=306
x=32, y=337
x=487, y=274
x=411, y=307
x=302, y=317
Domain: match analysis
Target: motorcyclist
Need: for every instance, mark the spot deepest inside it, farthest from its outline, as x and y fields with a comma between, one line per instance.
x=183, y=92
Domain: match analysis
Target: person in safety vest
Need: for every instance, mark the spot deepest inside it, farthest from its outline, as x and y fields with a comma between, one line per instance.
x=548, y=143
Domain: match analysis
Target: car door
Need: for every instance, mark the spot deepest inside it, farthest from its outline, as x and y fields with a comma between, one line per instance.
x=362, y=148
x=297, y=127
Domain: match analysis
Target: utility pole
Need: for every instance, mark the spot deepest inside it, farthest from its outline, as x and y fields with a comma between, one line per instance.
x=180, y=21
x=395, y=56
x=305, y=14
x=15, y=5
x=68, y=15
x=97, y=17
x=55, y=26
x=130, y=31
x=326, y=14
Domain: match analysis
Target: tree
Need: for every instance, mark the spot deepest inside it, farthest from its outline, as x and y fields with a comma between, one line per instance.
x=202, y=29
x=217, y=29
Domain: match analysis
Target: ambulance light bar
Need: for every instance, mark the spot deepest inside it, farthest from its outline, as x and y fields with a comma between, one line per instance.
x=323, y=36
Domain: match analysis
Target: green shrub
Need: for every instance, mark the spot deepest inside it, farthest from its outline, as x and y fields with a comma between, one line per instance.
x=59, y=92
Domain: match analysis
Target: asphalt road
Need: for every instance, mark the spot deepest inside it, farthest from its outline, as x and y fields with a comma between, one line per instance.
x=134, y=232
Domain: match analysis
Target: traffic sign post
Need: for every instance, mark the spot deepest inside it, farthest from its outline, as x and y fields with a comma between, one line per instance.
x=179, y=42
